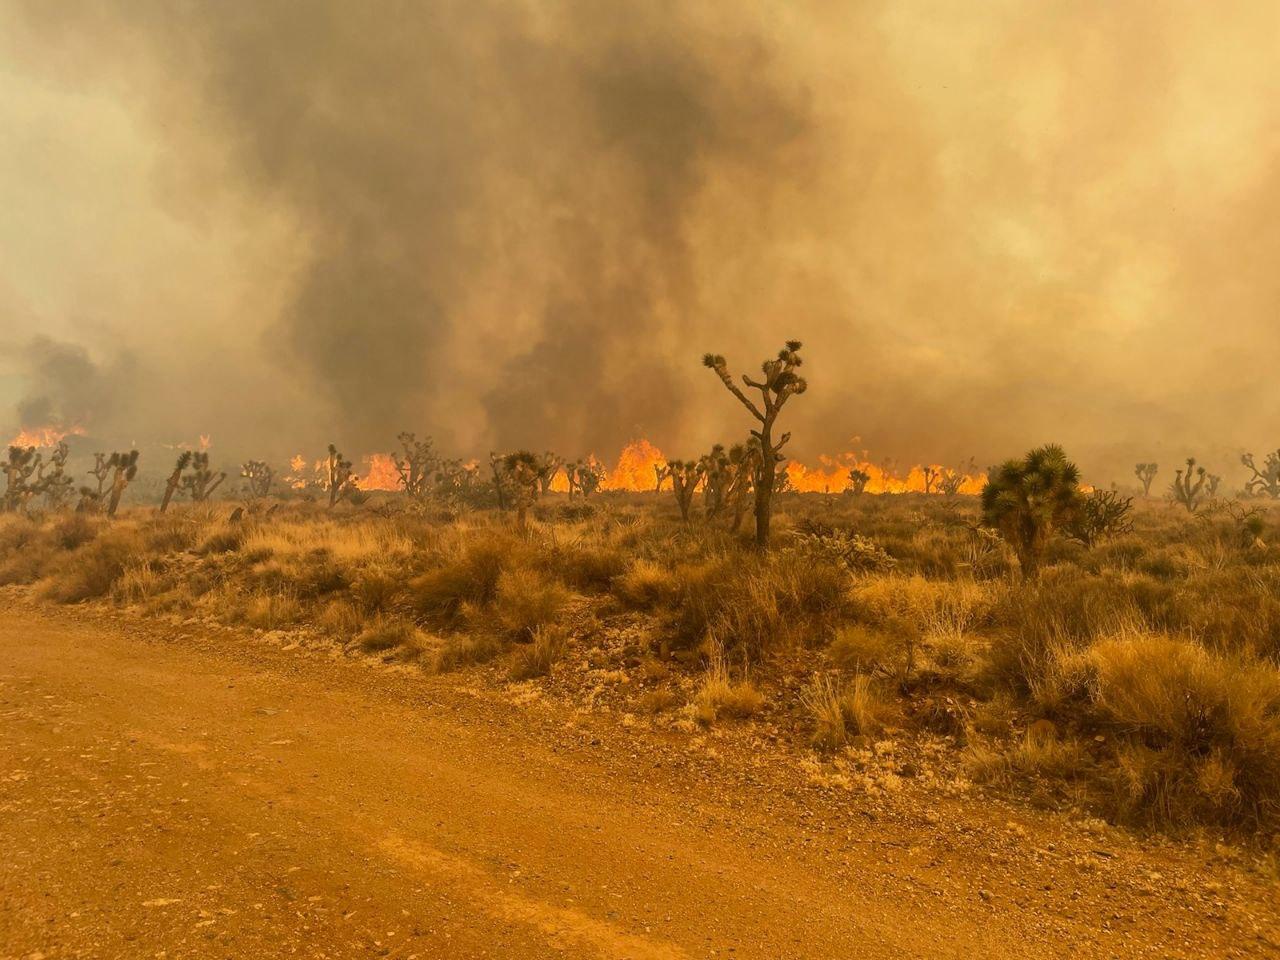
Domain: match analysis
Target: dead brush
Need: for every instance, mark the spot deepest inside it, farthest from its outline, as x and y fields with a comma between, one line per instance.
x=536, y=658
x=841, y=712
x=720, y=696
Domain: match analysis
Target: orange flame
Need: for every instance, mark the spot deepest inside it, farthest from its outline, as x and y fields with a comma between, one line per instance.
x=833, y=477
x=48, y=436
x=381, y=473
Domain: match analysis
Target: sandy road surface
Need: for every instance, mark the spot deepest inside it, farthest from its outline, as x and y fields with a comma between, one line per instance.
x=165, y=797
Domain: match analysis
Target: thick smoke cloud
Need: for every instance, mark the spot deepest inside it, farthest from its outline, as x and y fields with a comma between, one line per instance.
x=520, y=224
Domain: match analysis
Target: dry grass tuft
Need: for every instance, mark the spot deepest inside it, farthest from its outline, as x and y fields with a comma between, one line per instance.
x=719, y=696
x=842, y=712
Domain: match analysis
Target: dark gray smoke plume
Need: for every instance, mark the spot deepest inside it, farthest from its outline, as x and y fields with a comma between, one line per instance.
x=520, y=224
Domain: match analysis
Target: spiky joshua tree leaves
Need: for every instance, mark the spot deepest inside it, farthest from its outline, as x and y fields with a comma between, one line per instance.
x=1027, y=500
x=1146, y=472
x=521, y=473
x=201, y=481
x=778, y=385
x=585, y=476
x=660, y=473
x=18, y=469
x=416, y=466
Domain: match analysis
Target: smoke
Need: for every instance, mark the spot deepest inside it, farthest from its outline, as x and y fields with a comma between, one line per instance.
x=65, y=386
x=521, y=224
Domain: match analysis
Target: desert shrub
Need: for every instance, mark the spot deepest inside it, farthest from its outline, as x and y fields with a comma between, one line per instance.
x=139, y=581
x=858, y=648
x=318, y=574
x=340, y=618
x=376, y=588
x=91, y=570
x=1203, y=730
x=719, y=696
x=224, y=539
x=841, y=712
x=271, y=611
x=526, y=600
x=460, y=650
x=72, y=531
x=1031, y=756
x=536, y=659
x=658, y=700
x=439, y=595
x=382, y=635
x=646, y=584
x=591, y=568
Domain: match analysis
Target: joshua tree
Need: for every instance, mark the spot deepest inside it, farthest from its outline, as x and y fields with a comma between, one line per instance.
x=1146, y=472
x=1211, y=488
x=258, y=477
x=339, y=480
x=124, y=467
x=585, y=476
x=780, y=383
x=201, y=481
x=660, y=473
x=522, y=471
x=1188, y=491
x=416, y=466
x=858, y=480
x=932, y=475
x=22, y=463
x=1027, y=500
x=685, y=477
x=53, y=480
x=716, y=475
x=548, y=466
x=101, y=470
x=174, y=480
x=1264, y=482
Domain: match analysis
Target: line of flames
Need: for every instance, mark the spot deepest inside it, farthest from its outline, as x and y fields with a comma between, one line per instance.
x=49, y=436
x=633, y=471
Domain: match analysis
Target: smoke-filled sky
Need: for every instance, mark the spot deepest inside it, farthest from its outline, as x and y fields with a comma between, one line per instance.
x=522, y=223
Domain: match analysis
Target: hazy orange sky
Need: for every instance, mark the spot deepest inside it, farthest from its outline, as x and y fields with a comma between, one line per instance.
x=521, y=224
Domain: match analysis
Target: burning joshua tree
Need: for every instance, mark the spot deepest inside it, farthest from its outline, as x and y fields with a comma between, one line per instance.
x=660, y=473
x=780, y=383
x=1146, y=472
x=548, y=466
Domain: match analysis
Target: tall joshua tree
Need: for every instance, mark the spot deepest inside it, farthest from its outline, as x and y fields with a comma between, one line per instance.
x=780, y=382
x=53, y=480
x=174, y=480
x=1146, y=472
x=339, y=479
x=101, y=470
x=1027, y=500
x=548, y=466
x=124, y=467
x=1188, y=485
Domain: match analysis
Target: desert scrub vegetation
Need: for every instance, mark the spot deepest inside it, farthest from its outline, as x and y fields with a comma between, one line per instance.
x=1135, y=674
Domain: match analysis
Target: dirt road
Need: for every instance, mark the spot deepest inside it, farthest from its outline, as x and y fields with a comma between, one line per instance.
x=186, y=796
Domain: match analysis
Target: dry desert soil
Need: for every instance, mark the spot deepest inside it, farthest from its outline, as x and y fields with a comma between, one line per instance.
x=170, y=791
